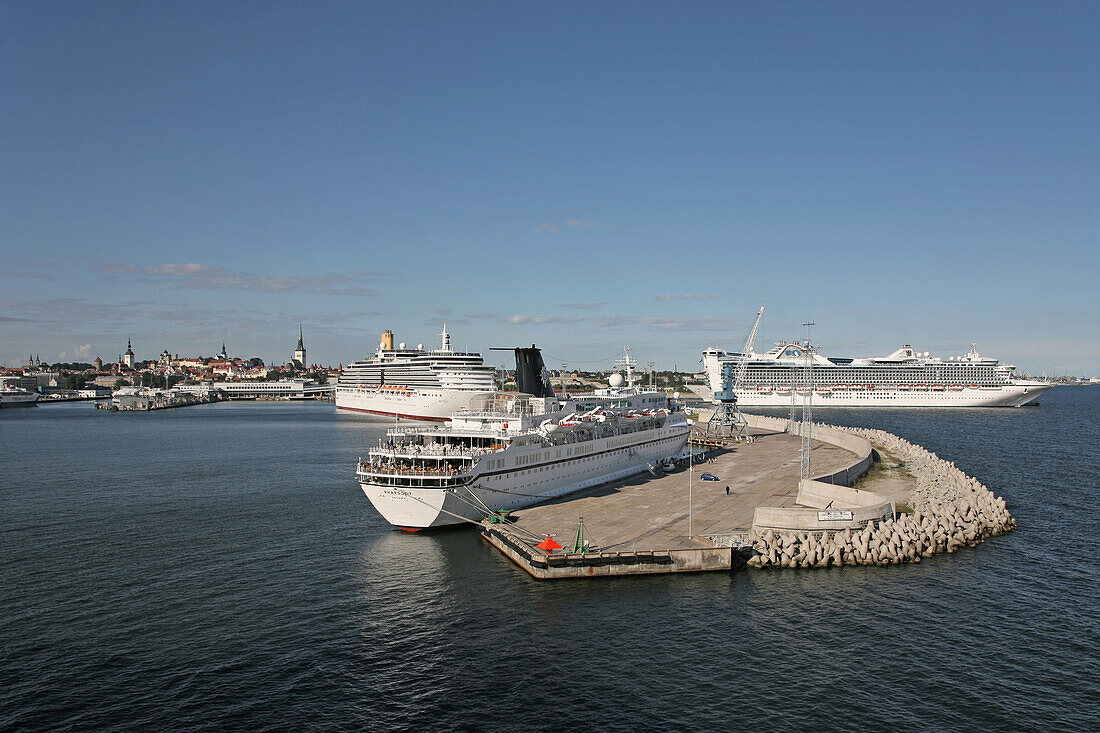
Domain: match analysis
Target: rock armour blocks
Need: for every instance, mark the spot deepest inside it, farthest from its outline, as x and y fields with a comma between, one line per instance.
x=950, y=510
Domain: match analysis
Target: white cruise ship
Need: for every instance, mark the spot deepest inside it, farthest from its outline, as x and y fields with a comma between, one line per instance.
x=905, y=378
x=511, y=451
x=414, y=383
x=17, y=397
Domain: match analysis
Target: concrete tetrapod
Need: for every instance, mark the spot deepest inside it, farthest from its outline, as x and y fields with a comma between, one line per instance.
x=950, y=510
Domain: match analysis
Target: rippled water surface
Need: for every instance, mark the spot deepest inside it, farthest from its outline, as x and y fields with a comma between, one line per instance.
x=217, y=567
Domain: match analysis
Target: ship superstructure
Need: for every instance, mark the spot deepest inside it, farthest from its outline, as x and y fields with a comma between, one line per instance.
x=414, y=383
x=623, y=392
x=17, y=397
x=904, y=378
x=512, y=450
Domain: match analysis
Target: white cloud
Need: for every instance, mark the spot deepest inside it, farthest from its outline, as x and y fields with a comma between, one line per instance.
x=196, y=276
x=655, y=323
x=546, y=228
x=517, y=319
x=652, y=323
x=685, y=296
x=82, y=352
x=437, y=322
x=584, y=306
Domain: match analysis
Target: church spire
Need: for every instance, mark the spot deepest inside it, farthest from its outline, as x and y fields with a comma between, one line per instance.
x=300, y=352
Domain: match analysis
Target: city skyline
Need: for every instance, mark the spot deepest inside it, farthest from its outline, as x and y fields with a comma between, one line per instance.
x=579, y=177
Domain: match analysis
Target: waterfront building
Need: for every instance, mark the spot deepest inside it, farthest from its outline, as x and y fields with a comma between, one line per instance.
x=48, y=380
x=19, y=381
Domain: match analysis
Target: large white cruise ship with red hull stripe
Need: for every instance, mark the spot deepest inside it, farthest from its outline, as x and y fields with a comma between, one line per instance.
x=414, y=383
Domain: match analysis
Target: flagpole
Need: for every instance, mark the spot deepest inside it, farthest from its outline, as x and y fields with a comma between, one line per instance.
x=691, y=470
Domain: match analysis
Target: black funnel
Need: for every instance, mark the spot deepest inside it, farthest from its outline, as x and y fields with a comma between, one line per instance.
x=531, y=375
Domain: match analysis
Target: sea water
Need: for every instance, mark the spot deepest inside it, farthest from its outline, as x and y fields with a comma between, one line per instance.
x=217, y=567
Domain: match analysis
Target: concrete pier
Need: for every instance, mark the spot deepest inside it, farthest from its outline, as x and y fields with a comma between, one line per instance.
x=760, y=514
x=648, y=524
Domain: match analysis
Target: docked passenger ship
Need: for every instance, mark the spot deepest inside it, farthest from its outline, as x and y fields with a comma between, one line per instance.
x=425, y=385
x=905, y=378
x=513, y=450
x=17, y=397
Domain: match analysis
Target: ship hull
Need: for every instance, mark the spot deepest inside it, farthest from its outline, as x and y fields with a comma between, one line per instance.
x=18, y=400
x=425, y=404
x=1013, y=395
x=413, y=508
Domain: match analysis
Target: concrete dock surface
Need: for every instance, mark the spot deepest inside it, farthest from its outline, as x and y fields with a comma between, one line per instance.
x=651, y=513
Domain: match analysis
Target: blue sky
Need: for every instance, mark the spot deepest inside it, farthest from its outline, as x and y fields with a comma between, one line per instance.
x=576, y=175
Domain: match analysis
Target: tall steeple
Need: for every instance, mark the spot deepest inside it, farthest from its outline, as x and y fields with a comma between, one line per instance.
x=300, y=352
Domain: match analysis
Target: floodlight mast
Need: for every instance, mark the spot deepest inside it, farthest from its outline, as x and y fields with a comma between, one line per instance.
x=806, y=469
x=727, y=418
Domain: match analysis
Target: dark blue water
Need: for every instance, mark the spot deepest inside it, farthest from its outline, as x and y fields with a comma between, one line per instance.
x=217, y=567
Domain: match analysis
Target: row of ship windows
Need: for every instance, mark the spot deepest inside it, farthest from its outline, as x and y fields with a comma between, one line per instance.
x=575, y=460
x=870, y=372
x=896, y=395
x=859, y=382
x=496, y=463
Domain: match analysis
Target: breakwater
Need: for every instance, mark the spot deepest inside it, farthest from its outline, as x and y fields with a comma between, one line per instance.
x=950, y=510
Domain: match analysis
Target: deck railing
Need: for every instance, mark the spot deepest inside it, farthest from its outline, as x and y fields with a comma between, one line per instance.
x=429, y=451
x=370, y=469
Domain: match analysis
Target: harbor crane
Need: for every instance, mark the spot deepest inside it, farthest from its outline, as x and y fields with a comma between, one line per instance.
x=727, y=420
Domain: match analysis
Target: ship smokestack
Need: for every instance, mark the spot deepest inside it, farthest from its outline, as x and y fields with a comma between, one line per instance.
x=532, y=376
